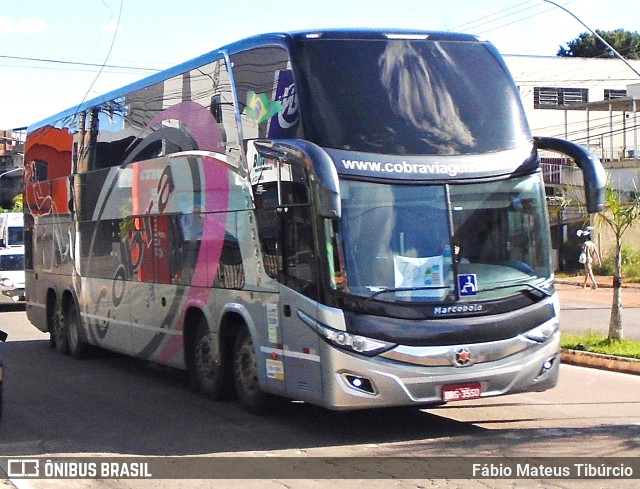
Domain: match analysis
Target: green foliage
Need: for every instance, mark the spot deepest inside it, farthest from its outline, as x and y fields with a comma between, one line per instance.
x=17, y=205
x=586, y=45
x=597, y=343
x=630, y=265
x=621, y=213
x=607, y=268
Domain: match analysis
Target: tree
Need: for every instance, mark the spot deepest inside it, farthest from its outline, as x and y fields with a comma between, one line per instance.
x=587, y=45
x=17, y=205
x=619, y=215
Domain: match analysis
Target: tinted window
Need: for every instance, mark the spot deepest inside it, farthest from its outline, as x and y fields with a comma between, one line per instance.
x=407, y=97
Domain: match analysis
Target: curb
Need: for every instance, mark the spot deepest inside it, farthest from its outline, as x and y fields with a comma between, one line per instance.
x=578, y=283
x=600, y=361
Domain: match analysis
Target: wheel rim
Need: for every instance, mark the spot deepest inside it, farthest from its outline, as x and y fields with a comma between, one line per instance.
x=205, y=367
x=73, y=331
x=58, y=329
x=246, y=366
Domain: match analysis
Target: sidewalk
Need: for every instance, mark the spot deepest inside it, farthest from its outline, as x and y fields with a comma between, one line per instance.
x=601, y=280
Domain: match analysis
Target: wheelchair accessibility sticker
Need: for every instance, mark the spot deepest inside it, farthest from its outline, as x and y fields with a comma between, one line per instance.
x=467, y=284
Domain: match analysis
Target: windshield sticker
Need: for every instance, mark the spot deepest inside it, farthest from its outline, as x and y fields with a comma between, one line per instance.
x=419, y=272
x=467, y=284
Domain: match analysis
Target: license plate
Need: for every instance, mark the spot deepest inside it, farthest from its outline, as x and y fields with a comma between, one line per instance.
x=461, y=392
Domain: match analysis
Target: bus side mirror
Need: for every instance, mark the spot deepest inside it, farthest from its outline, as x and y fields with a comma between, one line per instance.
x=216, y=108
x=593, y=173
x=328, y=202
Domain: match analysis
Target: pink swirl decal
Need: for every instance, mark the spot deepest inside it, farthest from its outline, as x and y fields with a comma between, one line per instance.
x=215, y=190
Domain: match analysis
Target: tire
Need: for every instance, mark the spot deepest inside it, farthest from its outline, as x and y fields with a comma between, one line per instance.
x=58, y=332
x=245, y=376
x=206, y=376
x=52, y=319
x=77, y=347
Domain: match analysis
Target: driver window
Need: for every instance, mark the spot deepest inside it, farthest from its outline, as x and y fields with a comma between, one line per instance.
x=285, y=224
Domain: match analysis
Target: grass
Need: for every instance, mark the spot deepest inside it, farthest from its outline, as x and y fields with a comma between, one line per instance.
x=630, y=265
x=597, y=343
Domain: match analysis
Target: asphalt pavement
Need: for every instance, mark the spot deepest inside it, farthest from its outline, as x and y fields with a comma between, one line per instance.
x=586, y=309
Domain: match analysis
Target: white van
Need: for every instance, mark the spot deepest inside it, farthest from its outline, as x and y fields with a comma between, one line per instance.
x=11, y=229
x=12, y=274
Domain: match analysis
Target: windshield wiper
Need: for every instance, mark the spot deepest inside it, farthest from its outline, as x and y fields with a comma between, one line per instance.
x=432, y=287
x=521, y=284
x=405, y=289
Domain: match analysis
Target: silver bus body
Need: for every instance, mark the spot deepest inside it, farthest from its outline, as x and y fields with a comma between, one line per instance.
x=348, y=218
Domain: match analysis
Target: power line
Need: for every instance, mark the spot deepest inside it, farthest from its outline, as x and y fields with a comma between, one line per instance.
x=598, y=36
x=102, y=66
x=78, y=63
x=474, y=23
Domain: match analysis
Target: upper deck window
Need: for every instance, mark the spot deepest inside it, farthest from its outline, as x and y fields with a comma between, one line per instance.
x=407, y=97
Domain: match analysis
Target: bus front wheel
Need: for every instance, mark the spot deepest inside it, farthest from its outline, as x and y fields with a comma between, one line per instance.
x=245, y=375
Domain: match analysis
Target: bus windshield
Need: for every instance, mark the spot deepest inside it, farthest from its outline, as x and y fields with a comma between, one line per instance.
x=424, y=242
x=417, y=97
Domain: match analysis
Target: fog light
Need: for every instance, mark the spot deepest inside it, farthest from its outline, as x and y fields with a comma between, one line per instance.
x=358, y=383
x=547, y=365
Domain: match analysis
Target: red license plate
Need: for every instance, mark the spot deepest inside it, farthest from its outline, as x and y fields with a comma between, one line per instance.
x=461, y=392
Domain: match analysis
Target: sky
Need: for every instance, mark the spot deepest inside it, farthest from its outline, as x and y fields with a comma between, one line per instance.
x=52, y=51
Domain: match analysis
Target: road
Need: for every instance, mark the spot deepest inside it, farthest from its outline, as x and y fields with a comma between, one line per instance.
x=585, y=310
x=111, y=405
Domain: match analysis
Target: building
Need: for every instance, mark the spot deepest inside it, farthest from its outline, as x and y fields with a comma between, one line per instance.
x=593, y=102
x=11, y=154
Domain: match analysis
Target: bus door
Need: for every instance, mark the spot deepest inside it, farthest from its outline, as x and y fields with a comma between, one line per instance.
x=287, y=229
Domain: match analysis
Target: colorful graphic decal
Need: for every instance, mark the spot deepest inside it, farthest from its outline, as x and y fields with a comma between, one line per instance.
x=47, y=163
x=156, y=189
x=260, y=107
x=214, y=192
x=285, y=123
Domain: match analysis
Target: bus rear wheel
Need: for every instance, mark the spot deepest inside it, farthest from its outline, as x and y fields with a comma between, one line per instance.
x=77, y=347
x=207, y=374
x=58, y=332
x=245, y=375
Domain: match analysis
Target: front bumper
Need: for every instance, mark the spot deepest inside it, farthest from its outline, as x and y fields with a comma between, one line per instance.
x=392, y=383
x=12, y=295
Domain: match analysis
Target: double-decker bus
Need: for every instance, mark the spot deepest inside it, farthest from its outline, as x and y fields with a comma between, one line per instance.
x=353, y=219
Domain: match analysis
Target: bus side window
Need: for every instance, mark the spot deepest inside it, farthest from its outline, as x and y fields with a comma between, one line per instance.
x=299, y=256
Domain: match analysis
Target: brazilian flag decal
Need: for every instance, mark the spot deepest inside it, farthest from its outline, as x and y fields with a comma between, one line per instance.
x=260, y=107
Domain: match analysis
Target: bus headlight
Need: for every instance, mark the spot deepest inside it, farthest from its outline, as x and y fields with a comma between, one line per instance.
x=5, y=282
x=347, y=341
x=543, y=332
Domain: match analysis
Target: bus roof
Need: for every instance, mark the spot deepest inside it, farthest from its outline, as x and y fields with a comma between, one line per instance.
x=285, y=38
